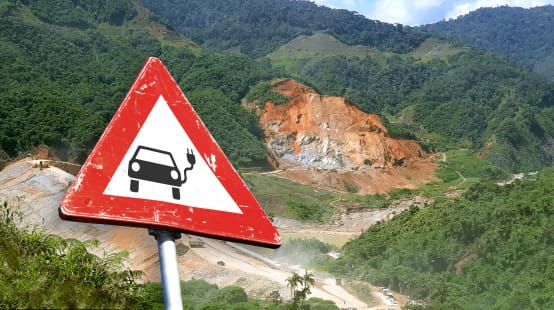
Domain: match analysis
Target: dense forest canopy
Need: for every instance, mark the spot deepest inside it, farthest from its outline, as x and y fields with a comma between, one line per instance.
x=489, y=249
x=462, y=98
x=65, y=66
x=258, y=27
x=65, y=71
x=524, y=35
x=471, y=99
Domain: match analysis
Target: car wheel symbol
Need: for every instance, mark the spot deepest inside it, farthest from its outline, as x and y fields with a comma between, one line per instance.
x=134, y=186
x=176, y=193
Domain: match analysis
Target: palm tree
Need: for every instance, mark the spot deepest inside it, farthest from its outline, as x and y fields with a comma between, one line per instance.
x=293, y=281
x=307, y=281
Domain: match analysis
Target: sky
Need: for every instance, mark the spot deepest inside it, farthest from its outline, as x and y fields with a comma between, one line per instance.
x=420, y=12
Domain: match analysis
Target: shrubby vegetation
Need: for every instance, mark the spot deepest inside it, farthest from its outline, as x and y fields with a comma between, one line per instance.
x=39, y=270
x=259, y=27
x=462, y=165
x=468, y=100
x=262, y=93
x=522, y=34
x=201, y=295
x=65, y=71
x=490, y=249
x=309, y=212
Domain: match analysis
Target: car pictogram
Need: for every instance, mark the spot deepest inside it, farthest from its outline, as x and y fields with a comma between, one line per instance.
x=150, y=164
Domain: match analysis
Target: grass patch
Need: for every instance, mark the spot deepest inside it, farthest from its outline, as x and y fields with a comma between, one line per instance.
x=376, y=201
x=274, y=194
x=317, y=45
x=309, y=212
x=460, y=170
x=433, y=48
x=362, y=291
x=463, y=164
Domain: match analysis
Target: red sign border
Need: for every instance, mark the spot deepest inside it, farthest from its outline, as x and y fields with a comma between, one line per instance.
x=85, y=201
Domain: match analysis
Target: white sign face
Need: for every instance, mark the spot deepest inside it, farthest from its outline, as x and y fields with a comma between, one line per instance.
x=163, y=164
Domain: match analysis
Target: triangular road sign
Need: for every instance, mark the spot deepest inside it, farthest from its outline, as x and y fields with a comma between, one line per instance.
x=157, y=166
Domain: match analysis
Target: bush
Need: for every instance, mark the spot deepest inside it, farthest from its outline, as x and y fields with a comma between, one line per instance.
x=46, y=271
x=263, y=93
x=312, y=213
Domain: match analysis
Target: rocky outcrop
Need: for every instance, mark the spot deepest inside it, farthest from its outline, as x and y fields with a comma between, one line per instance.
x=330, y=133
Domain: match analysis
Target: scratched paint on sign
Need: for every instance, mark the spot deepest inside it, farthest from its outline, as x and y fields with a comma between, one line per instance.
x=157, y=166
x=168, y=145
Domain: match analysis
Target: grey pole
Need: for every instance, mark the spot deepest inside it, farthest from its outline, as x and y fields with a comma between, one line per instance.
x=169, y=270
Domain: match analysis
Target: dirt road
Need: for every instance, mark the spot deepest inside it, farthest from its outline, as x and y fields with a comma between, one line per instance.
x=240, y=264
x=38, y=193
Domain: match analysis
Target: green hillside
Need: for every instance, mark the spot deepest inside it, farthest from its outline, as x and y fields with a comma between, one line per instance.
x=471, y=99
x=258, y=27
x=67, y=65
x=524, y=35
x=490, y=249
x=446, y=95
x=66, y=70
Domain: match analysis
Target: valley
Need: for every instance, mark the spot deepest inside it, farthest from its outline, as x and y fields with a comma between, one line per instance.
x=35, y=187
x=418, y=159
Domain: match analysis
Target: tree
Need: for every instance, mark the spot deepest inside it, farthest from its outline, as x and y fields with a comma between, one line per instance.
x=300, y=286
x=293, y=281
x=307, y=281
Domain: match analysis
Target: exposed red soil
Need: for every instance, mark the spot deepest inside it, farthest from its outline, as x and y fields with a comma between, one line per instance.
x=330, y=143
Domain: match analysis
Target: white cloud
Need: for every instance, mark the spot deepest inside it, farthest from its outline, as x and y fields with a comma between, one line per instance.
x=423, y=4
x=464, y=8
x=392, y=11
x=418, y=12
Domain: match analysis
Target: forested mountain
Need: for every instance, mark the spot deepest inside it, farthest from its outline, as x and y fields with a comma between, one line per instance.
x=522, y=34
x=67, y=65
x=490, y=249
x=471, y=99
x=448, y=97
x=258, y=27
x=65, y=70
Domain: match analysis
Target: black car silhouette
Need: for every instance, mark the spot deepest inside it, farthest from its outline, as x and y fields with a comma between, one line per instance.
x=149, y=164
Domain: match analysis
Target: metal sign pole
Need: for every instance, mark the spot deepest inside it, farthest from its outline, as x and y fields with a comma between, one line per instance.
x=167, y=253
